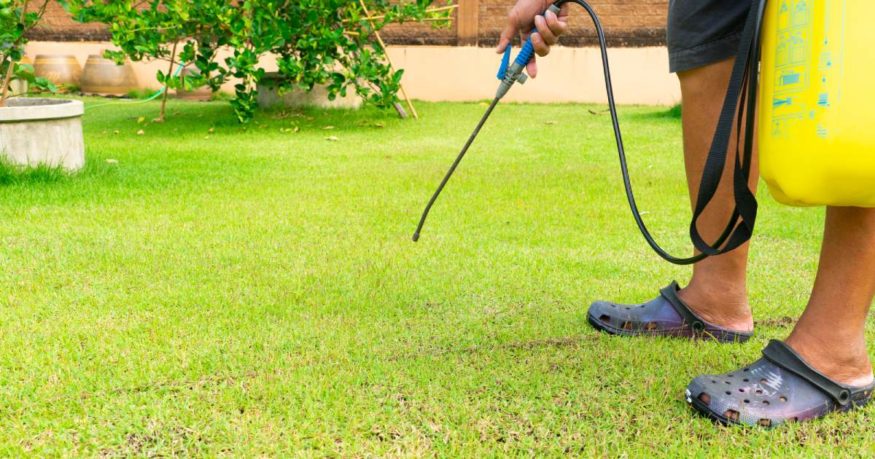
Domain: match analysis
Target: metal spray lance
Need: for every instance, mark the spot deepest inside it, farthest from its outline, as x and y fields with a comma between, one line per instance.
x=508, y=74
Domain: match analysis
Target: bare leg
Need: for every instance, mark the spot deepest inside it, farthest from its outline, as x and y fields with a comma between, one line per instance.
x=830, y=333
x=717, y=291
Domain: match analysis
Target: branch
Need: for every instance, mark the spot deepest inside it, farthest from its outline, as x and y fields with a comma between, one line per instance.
x=429, y=10
x=7, y=79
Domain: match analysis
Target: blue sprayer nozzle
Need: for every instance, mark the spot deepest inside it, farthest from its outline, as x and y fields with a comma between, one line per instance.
x=505, y=62
x=510, y=74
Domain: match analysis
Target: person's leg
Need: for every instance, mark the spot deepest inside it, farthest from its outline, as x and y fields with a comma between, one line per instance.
x=717, y=293
x=717, y=290
x=829, y=338
x=830, y=333
x=702, y=37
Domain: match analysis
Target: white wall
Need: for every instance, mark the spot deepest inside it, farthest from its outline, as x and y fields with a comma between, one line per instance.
x=443, y=73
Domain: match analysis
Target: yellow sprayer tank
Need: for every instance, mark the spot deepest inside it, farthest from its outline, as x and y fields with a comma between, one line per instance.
x=817, y=102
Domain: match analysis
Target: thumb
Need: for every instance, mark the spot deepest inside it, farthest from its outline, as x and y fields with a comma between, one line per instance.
x=505, y=38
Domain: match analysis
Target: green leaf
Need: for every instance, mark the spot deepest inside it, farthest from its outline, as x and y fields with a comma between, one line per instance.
x=316, y=42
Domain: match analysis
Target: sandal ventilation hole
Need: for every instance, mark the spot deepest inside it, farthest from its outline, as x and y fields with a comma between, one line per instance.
x=627, y=325
x=759, y=392
x=728, y=393
x=705, y=398
x=732, y=415
x=763, y=381
x=741, y=390
x=605, y=318
x=765, y=422
x=766, y=402
x=650, y=326
x=782, y=398
x=746, y=380
x=746, y=401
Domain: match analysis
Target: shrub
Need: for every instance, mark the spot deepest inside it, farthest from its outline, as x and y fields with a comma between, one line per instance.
x=315, y=41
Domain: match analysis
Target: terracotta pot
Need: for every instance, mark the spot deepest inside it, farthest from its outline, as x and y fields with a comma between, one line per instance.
x=59, y=69
x=103, y=77
x=202, y=94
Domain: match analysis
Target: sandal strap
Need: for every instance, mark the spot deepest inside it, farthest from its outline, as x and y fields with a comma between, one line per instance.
x=670, y=293
x=783, y=356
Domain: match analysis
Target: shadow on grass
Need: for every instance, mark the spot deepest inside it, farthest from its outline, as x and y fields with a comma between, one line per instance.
x=673, y=113
x=18, y=175
x=341, y=119
x=670, y=114
x=12, y=174
x=197, y=117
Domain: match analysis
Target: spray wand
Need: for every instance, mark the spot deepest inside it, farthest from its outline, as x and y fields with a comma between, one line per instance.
x=508, y=74
x=741, y=92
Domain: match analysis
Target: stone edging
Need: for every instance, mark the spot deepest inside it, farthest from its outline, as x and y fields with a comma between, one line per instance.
x=27, y=109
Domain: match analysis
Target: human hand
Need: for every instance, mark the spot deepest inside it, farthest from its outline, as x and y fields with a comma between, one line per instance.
x=528, y=13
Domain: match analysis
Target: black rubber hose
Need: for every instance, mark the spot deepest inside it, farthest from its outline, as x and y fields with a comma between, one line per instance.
x=624, y=168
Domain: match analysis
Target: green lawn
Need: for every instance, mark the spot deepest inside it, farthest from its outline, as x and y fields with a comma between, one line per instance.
x=209, y=289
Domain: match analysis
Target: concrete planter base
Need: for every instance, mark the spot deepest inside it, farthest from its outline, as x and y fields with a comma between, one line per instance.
x=269, y=96
x=18, y=87
x=42, y=132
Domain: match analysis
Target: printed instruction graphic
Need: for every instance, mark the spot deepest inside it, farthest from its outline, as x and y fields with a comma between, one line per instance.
x=805, y=86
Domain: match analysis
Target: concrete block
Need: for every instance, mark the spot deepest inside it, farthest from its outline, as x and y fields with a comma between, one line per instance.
x=269, y=96
x=43, y=132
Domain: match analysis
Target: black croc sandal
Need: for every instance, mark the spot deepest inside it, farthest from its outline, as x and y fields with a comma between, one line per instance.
x=666, y=315
x=778, y=388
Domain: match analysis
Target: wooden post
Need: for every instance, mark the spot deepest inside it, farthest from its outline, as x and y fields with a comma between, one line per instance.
x=391, y=65
x=468, y=22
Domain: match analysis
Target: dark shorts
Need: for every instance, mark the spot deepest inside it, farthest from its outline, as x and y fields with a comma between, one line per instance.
x=702, y=32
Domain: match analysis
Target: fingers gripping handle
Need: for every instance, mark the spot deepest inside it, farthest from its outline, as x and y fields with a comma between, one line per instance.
x=528, y=49
x=514, y=73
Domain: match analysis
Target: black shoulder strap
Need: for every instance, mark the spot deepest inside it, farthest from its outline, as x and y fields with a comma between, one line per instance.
x=744, y=78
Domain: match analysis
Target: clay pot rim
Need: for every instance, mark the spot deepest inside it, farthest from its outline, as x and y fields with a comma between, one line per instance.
x=19, y=109
x=46, y=56
x=99, y=57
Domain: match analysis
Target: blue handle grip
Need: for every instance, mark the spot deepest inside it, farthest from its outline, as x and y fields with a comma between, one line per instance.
x=525, y=55
x=526, y=52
